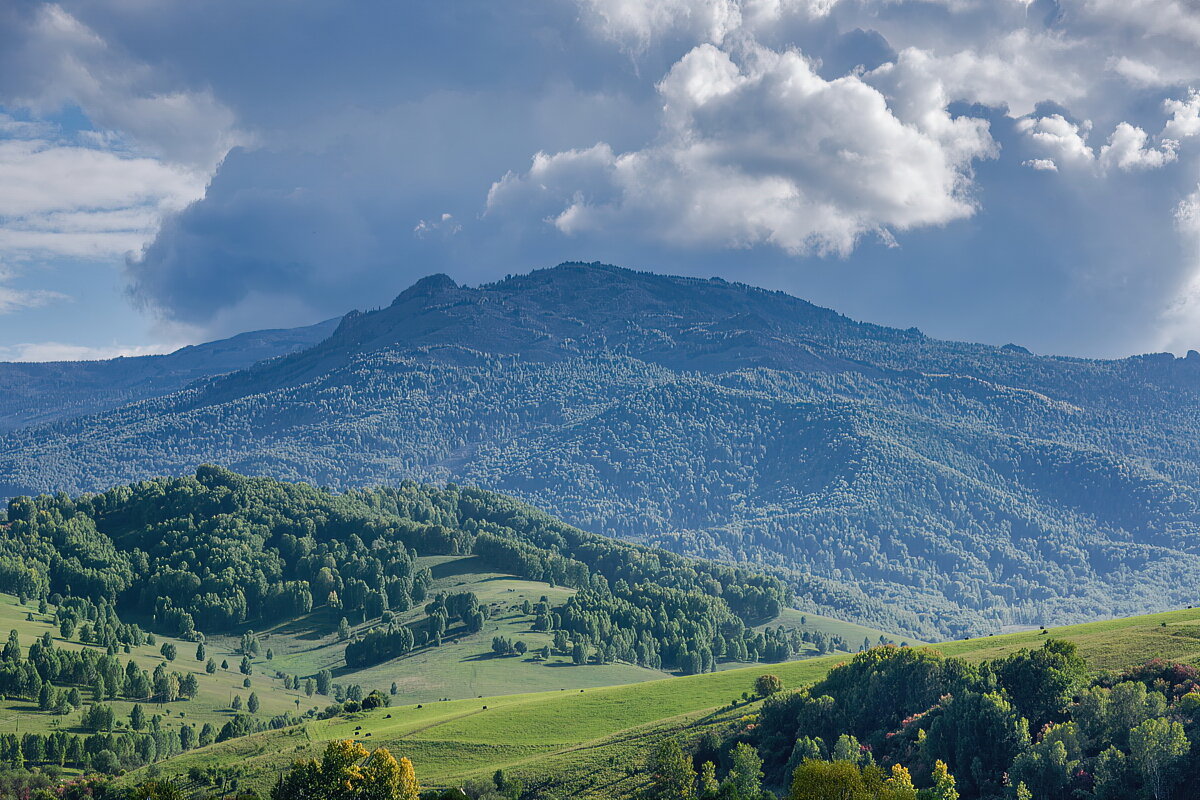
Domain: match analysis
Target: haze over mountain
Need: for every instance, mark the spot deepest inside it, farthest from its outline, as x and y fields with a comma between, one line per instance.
x=928, y=486
x=39, y=392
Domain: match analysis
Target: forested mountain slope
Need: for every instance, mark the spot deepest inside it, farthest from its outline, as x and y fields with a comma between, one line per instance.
x=40, y=392
x=928, y=486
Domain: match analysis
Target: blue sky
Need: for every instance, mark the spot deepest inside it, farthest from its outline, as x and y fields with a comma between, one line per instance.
x=989, y=170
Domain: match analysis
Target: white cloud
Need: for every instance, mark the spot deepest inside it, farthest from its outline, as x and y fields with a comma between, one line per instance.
x=763, y=152
x=1128, y=146
x=1167, y=18
x=1041, y=164
x=69, y=200
x=1014, y=71
x=637, y=23
x=1128, y=149
x=1185, y=116
x=62, y=62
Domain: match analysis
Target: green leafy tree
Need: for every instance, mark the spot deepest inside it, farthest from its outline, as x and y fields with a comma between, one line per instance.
x=828, y=780
x=708, y=785
x=767, y=685
x=744, y=781
x=671, y=774
x=1158, y=748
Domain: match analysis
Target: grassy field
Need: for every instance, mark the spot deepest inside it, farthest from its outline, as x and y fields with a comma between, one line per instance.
x=588, y=743
x=464, y=666
x=852, y=632
x=211, y=704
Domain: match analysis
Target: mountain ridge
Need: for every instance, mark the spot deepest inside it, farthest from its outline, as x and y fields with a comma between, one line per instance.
x=936, y=487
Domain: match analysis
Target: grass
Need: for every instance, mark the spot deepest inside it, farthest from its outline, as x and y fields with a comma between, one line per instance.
x=211, y=704
x=464, y=665
x=588, y=743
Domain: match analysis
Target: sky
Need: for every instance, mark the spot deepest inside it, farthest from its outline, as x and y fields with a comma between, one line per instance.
x=1022, y=171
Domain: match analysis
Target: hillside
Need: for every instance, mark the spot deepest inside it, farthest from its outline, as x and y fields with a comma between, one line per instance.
x=422, y=592
x=41, y=392
x=928, y=487
x=592, y=743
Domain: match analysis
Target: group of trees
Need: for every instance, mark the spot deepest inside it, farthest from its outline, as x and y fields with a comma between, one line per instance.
x=1031, y=724
x=59, y=678
x=219, y=549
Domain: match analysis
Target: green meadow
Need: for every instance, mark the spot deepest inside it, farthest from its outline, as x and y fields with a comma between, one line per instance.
x=588, y=743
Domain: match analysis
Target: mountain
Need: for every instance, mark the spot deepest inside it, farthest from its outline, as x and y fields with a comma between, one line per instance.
x=41, y=392
x=932, y=487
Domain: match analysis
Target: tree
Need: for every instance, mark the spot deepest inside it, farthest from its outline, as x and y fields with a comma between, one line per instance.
x=201, y=653
x=943, y=783
x=252, y=703
x=900, y=785
x=767, y=685
x=137, y=717
x=1157, y=747
x=310, y=686
x=246, y=667
x=210, y=667
x=1112, y=775
x=709, y=786
x=847, y=748
x=343, y=629
x=169, y=651
x=1042, y=682
x=978, y=735
x=342, y=774
x=671, y=773
x=106, y=761
x=324, y=681
x=828, y=780
x=744, y=781
x=99, y=717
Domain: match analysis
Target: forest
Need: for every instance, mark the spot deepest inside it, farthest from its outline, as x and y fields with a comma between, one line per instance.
x=209, y=553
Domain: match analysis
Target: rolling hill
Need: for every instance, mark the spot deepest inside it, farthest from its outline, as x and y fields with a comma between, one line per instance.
x=592, y=743
x=928, y=487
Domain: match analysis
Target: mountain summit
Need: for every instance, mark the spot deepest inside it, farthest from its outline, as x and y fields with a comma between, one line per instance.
x=929, y=486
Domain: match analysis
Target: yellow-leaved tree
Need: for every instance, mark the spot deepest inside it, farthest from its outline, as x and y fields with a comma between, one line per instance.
x=345, y=771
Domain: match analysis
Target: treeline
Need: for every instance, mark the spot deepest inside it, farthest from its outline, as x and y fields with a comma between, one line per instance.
x=216, y=550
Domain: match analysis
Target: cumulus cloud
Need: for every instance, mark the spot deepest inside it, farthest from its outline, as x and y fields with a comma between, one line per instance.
x=763, y=151
x=1128, y=147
